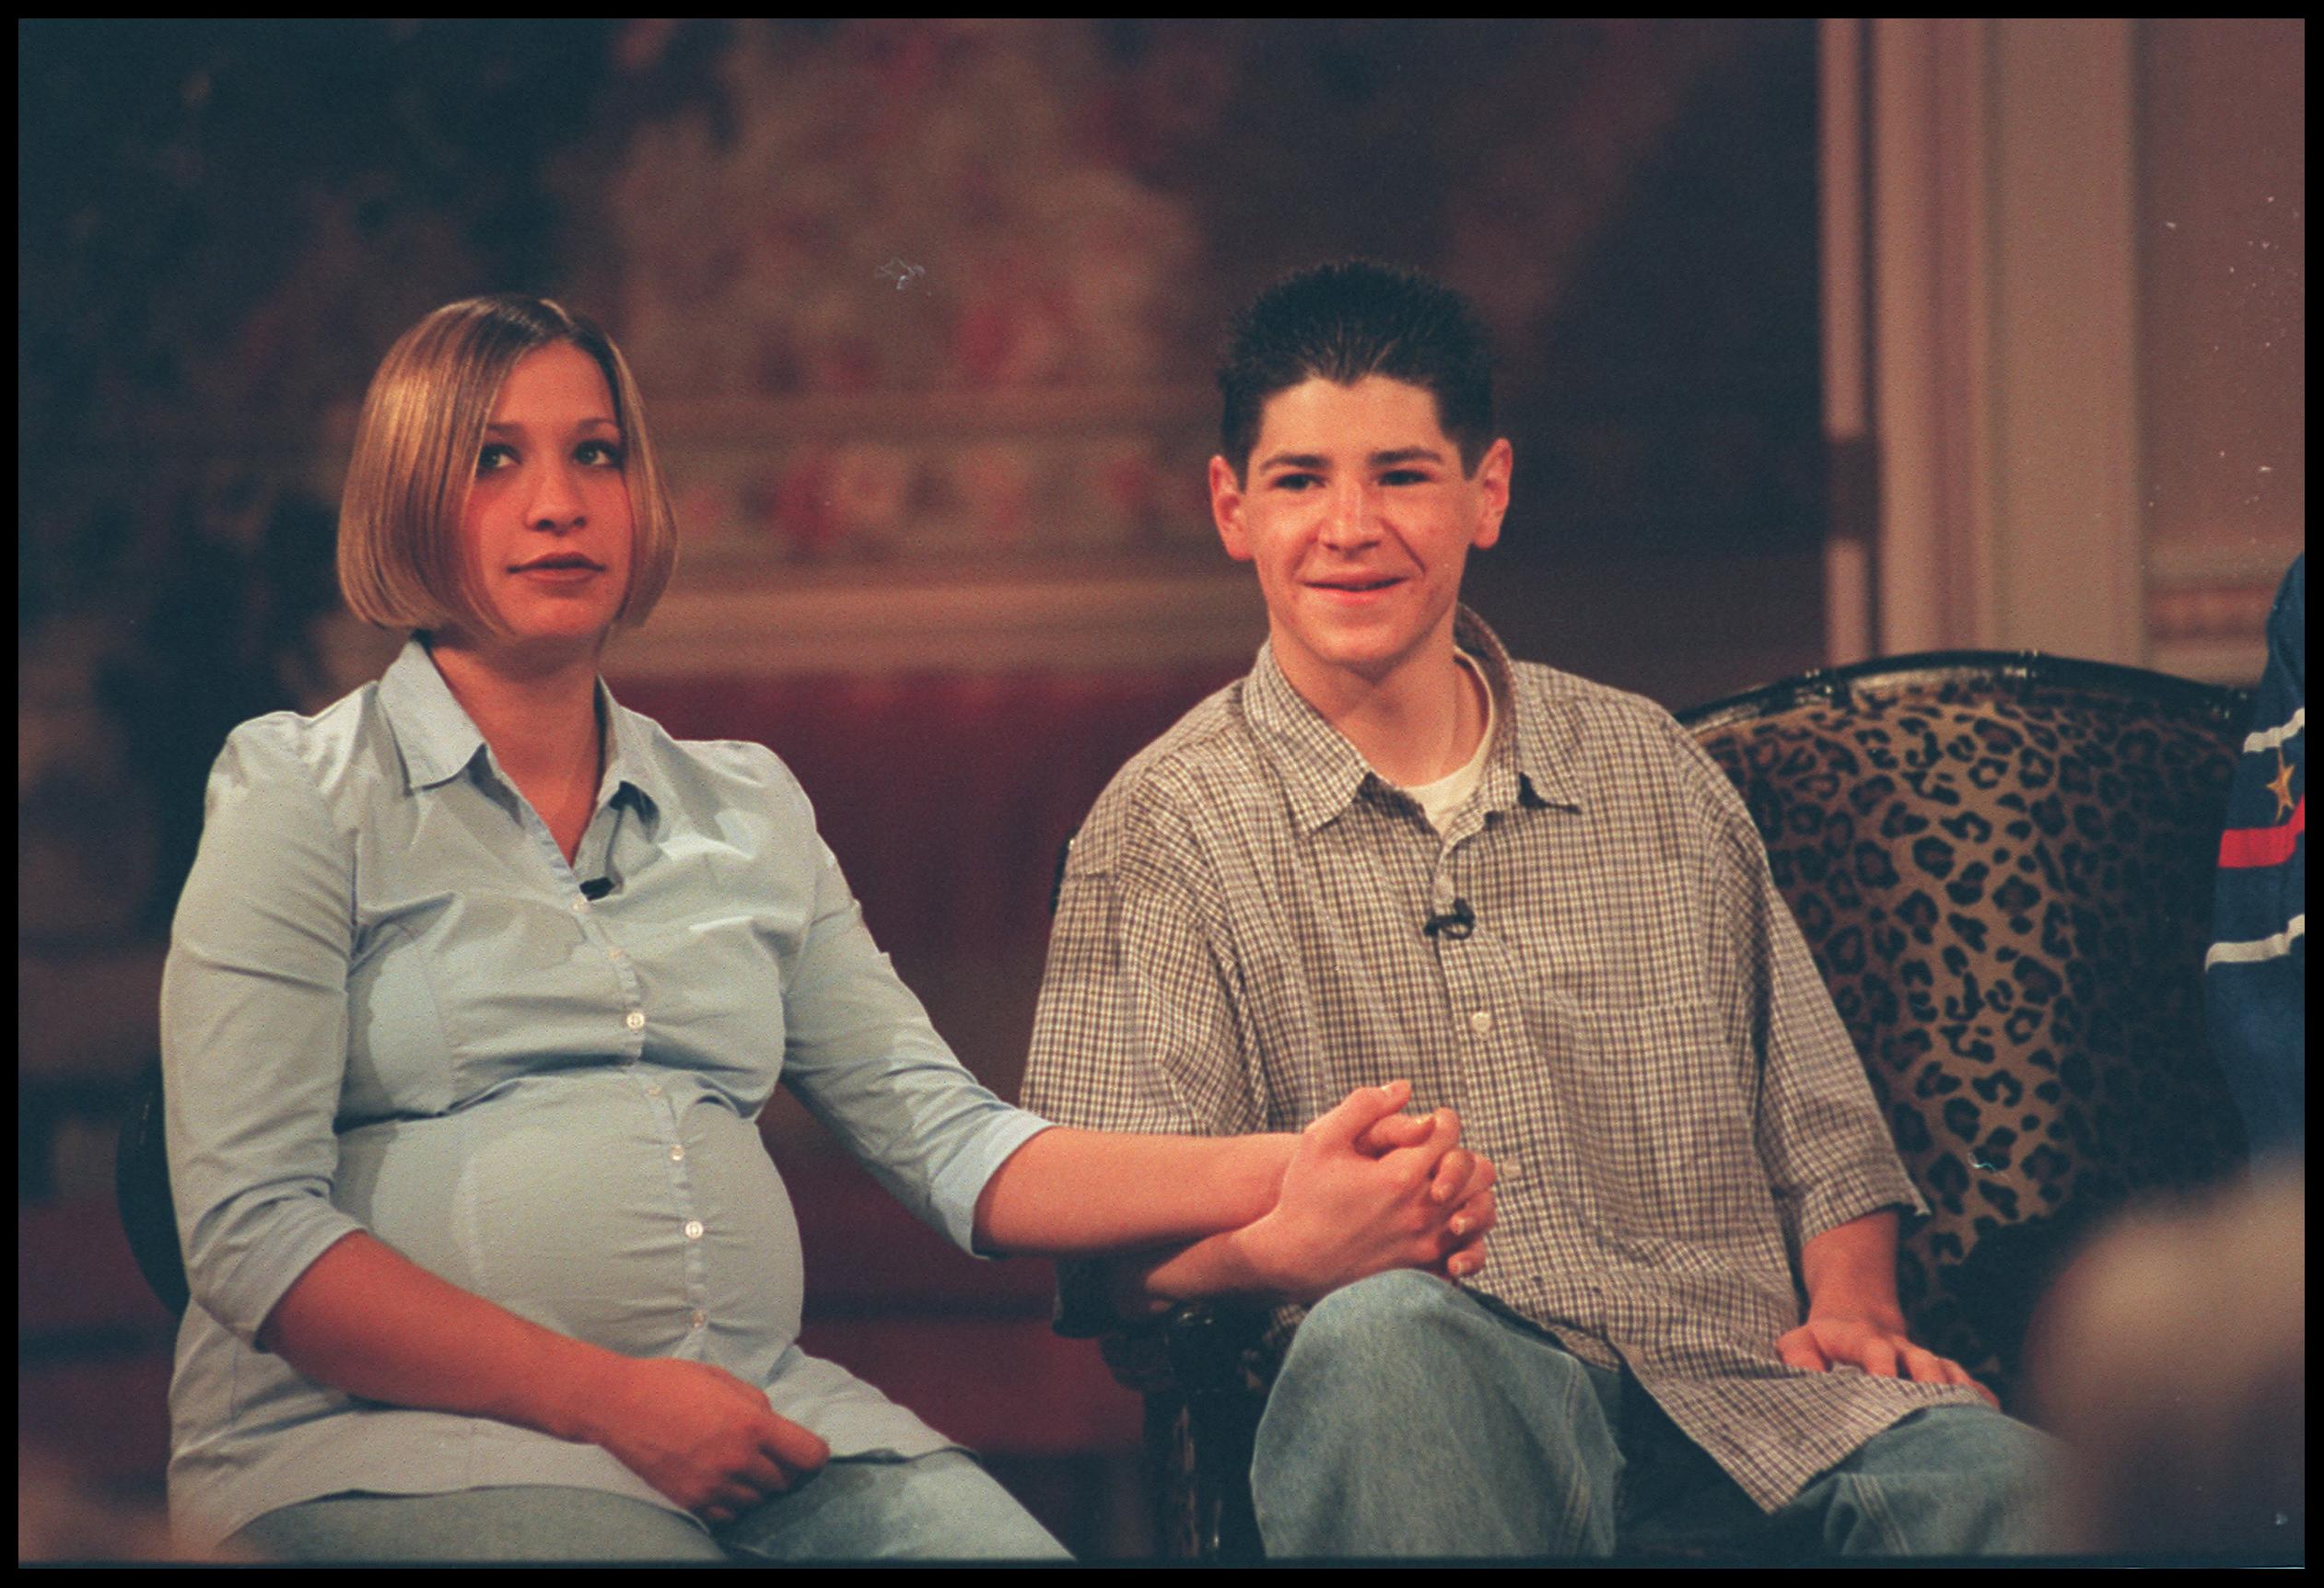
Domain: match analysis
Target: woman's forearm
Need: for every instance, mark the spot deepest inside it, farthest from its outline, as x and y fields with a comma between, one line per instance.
x=1077, y=1193
x=368, y=1320
x=365, y=1319
x=1361, y=1189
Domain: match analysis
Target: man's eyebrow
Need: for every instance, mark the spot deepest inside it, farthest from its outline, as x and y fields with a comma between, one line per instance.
x=1387, y=459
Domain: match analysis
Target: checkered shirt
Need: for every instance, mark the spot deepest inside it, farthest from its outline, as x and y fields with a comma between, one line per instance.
x=1633, y=1031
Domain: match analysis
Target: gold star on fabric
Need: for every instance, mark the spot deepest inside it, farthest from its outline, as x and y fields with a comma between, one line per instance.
x=2281, y=786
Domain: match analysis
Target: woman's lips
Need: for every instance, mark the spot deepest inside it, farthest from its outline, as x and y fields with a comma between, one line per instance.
x=559, y=573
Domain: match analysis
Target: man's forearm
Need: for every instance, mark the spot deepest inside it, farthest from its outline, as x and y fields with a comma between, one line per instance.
x=1850, y=1271
x=1213, y=1268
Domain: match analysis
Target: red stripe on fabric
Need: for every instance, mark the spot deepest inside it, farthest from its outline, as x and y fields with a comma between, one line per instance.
x=2244, y=847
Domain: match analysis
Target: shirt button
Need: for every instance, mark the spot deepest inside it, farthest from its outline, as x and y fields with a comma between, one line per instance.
x=636, y=1019
x=1481, y=1022
x=613, y=953
x=653, y=1088
x=1443, y=895
x=700, y=1317
x=580, y=906
x=693, y=1229
x=677, y=1155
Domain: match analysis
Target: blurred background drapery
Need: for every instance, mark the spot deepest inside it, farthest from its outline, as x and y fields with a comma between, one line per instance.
x=924, y=314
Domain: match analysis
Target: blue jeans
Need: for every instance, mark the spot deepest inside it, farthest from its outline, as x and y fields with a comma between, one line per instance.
x=1409, y=1418
x=939, y=1507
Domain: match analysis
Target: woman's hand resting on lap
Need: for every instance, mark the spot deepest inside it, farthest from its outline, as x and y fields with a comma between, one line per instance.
x=700, y=1435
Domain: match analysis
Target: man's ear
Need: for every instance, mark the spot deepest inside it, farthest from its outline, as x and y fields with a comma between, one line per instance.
x=1226, y=509
x=1493, y=491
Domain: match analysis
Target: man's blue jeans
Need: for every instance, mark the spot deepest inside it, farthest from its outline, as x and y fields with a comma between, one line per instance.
x=1409, y=1418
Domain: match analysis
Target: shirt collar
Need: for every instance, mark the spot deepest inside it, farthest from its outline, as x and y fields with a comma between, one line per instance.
x=1322, y=772
x=438, y=740
x=1540, y=734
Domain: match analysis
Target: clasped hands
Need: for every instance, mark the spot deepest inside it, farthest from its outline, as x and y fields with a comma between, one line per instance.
x=1370, y=1188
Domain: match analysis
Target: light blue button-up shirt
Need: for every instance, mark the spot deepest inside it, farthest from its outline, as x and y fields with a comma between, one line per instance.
x=389, y=1007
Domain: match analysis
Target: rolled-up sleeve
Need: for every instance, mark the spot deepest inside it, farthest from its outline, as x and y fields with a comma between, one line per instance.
x=860, y=1053
x=1823, y=1146
x=1137, y=1029
x=254, y=1030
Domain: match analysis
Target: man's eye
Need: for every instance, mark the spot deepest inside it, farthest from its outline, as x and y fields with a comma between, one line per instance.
x=1296, y=482
x=1403, y=478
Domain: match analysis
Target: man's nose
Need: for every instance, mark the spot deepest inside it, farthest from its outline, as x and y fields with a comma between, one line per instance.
x=1350, y=516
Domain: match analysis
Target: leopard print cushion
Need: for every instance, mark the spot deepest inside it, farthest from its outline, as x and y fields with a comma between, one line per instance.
x=2008, y=889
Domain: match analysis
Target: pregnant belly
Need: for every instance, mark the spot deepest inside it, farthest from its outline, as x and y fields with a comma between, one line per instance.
x=651, y=1224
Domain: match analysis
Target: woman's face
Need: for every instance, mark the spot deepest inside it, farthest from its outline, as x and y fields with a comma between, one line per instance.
x=547, y=529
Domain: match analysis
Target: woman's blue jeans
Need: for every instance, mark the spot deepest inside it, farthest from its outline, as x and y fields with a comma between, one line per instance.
x=939, y=1507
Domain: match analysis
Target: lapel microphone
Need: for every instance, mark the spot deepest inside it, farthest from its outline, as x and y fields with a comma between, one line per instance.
x=1455, y=923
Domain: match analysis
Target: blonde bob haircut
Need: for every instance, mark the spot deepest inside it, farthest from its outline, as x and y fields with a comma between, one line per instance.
x=416, y=452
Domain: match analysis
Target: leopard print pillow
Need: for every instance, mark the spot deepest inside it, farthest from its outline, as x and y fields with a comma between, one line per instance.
x=2007, y=887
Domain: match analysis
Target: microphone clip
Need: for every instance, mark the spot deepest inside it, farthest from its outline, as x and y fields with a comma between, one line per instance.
x=1455, y=923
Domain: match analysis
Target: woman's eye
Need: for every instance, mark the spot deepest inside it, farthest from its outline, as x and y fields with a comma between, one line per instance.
x=493, y=456
x=604, y=454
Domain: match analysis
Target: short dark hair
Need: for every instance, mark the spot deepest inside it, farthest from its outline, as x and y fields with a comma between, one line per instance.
x=1345, y=321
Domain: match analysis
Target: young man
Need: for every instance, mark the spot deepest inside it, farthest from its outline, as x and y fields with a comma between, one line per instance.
x=1391, y=848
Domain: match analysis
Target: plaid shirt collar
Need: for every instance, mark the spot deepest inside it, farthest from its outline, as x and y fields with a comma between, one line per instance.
x=1323, y=774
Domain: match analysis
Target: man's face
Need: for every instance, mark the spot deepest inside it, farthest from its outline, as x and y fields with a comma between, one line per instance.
x=1359, y=518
